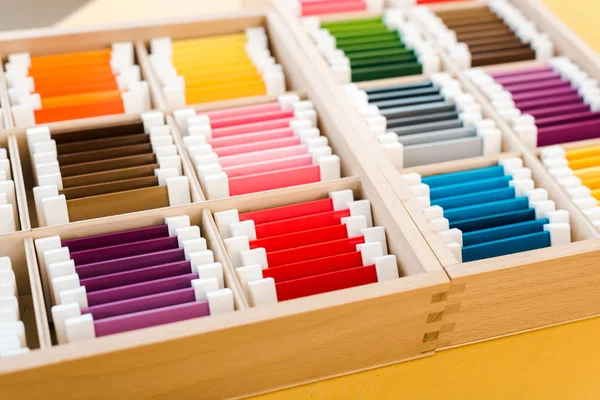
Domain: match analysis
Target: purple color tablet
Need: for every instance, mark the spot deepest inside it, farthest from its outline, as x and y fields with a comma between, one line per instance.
x=111, y=239
x=528, y=78
x=525, y=71
x=528, y=106
x=124, y=250
x=146, y=319
x=137, y=304
x=555, y=94
x=566, y=119
x=559, y=110
x=140, y=289
x=569, y=133
x=129, y=263
x=124, y=278
x=543, y=85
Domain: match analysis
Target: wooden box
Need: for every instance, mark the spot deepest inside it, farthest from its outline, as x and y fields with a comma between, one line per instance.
x=252, y=350
x=554, y=293
x=502, y=295
x=437, y=302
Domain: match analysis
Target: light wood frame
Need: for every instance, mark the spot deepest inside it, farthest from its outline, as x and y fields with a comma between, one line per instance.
x=256, y=350
x=568, y=294
x=16, y=247
x=503, y=295
x=10, y=144
x=252, y=350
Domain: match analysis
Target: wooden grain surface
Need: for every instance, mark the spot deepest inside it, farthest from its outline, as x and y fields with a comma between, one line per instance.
x=261, y=349
x=536, y=365
x=495, y=285
x=550, y=362
x=222, y=360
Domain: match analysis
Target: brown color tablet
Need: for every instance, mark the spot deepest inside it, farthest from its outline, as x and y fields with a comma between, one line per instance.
x=118, y=203
x=109, y=187
x=109, y=176
x=104, y=154
x=100, y=144
x=106, y=165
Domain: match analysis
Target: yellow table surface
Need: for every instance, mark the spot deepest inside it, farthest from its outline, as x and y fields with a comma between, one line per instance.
x=562, y=362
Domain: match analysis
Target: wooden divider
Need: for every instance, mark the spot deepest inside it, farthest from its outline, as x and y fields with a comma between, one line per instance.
x=211, y=234
x=7, y=142
x=37, y=296
x=4, y=100
x=16, y=247
x=156, y=95
x=188, y=166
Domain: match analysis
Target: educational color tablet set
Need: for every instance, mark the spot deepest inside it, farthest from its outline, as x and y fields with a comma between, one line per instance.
x=238, y=204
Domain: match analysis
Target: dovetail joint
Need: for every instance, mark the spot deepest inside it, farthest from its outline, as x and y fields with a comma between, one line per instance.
x=435, y=317
x=431, y=336
x=439, y=297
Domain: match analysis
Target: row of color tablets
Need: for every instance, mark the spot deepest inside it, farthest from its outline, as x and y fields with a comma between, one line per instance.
x=307, y=8
x=102, y=164
x=122, y=281
x=374, y=48
x=9, y=214
x=304, y=249
x=547, y=104
x=490, y=212
x=426, y=122
x=577, y=170
x=69, y=86
x=481, y=36
x=12, y=330
x=256, y=148
x=201, y=70
x=405, y=3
